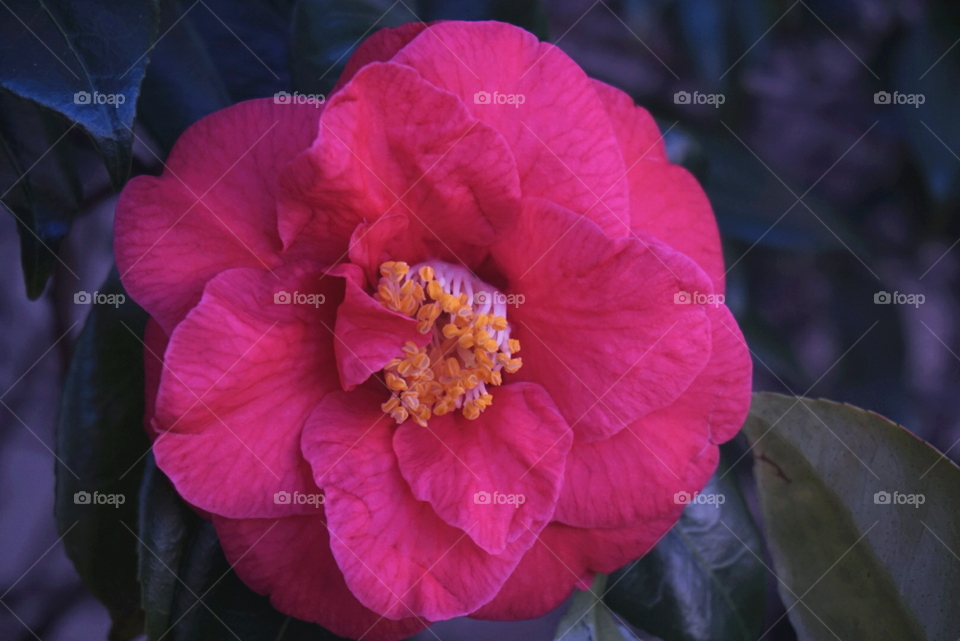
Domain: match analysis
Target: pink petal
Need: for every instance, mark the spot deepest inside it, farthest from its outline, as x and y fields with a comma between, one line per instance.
x=374, y=243
x=643, y=467
x=242, y=376
x=561, y=137
x=368, y=335
x=565, y=557
x=389, y=135
x=516, y=447
x=599, y=328
x=666, y=201
x=397, y=556
x=213, y=208
x=290, y=560
x=381, y=46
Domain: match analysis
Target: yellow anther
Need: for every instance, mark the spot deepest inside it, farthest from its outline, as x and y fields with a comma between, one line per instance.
x=462, y=356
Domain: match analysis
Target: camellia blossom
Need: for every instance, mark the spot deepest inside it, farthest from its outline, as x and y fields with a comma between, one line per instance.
x=484, y=338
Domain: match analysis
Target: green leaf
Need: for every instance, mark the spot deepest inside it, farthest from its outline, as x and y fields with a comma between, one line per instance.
x=181, y=561
x=182, y=84
x=39, y=184
x=704, y=580
x=100, y=445
x=325, y=34
x=53, y=50
x=862, y=569
x=589, y=619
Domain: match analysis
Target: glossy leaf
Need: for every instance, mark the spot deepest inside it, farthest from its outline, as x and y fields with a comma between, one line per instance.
x=704, y=580
x=84, y=60
x=39, y=184
x=589, y=619
x=100, y=445
x=861, y=519
x=190, y=593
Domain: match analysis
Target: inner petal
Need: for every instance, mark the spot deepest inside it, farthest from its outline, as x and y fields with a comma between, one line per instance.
x=470, y=345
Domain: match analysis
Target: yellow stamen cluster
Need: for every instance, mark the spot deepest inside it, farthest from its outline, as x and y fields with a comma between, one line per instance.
x=463, y=357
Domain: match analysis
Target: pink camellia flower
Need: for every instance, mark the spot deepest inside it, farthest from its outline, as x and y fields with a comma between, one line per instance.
x=448, y=345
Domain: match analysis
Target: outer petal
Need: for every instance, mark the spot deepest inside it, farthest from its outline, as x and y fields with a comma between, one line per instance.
x=368, y=335
x=641, y=468
x=290, y=559
x=566, y=557
x=516, y=447
x=599, y=326
x=381, y=46
x=392, y=143
x=213, y=208
x=564, y=146
x=397, y=556
x=666, y=201
x=242, y=375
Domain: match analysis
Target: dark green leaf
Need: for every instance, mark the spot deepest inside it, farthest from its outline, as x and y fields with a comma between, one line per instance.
x=182, y=84
x=68, y=56
x=181, y=561
x=39, y=184
x=100, y=445
x=831, y=479
x=588, y=619
x=704, y=580
x=326, y=33
x=528, y=14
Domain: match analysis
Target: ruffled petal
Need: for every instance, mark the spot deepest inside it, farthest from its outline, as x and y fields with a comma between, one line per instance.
x=397, y=556
x=513, y=452
x=666, y=201
x=213, y=208
x=392, y=143
x=599, y=325
x=242, y=374
x=381, y=46
x=289, y=559
x=561, y=137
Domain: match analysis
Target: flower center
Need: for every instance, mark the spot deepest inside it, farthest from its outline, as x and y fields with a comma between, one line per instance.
x=470, y=346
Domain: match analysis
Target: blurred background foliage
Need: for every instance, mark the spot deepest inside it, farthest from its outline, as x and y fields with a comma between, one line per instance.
x=823, y=196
